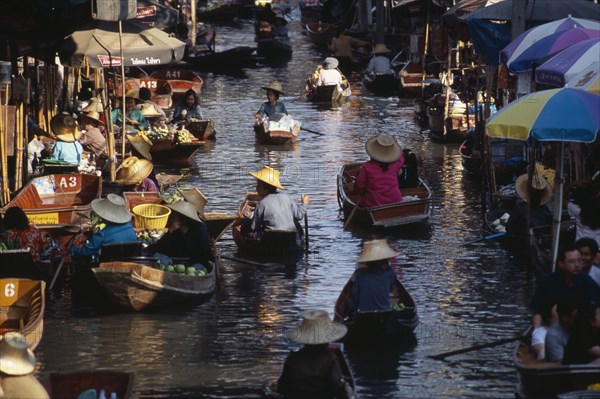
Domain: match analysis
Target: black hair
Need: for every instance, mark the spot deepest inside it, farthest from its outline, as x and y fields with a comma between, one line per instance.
x=564, y=249
x=566, y=305
x=191, y=93
x=587, y=242
x=145, y=94
x=270, y=188
x=275, y=93
x=384, y=166
x=15, y=218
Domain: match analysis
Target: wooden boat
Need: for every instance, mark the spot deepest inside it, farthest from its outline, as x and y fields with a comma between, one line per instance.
x=396, y=214
x=18, y=263
x=233, y=59
x=277, y=137
x=381, y=84
x=274, y=48
x=374, y=326
x=471, y=162
x=320, y=33
x=271, y=241
x=310, y=13
x=543, y=379
x=202, y=129
x=181, y=80
x=161, y=90
x=168, y=151
x=227, y=12
x=455, y=124
x=58, y=198
x=411, y=79
x=135, y=285
x=337, y=350
x=329, y=94
x=22, y=304
x=71, y=385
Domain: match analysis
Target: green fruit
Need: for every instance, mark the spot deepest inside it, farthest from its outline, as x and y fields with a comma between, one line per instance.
x=170, y=268
x=201, y=273
x=190, y=269
x=180, y=268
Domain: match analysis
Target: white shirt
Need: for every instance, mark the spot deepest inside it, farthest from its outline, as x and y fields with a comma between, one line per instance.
x=329, y=77
x=34, y=147
x=582, y=230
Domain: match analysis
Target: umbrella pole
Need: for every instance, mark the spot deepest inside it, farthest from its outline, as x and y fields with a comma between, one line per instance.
x=123, y=131
x=557, y=205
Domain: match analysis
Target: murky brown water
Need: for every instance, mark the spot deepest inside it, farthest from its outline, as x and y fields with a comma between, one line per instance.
x=232, y=345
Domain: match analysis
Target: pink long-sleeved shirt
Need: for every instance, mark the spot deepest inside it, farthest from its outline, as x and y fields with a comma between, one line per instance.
x=381, y=187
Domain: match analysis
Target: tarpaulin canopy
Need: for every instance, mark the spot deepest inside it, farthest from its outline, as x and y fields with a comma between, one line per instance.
x=98, y=43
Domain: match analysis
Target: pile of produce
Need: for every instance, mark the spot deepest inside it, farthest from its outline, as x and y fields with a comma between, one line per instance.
x=398, y=307
x=196, y=270
x=157, y=133
x=150, y=236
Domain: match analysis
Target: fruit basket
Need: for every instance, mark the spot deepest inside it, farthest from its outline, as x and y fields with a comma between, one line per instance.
x=150, y=216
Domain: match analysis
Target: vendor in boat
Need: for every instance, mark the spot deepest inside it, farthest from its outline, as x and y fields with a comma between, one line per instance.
x=117, y=226
x=135, y=174
x=203, y=45
x=539, y=197
x=313, y=371
x=148, y=105
x=377, y=179
x=279, y=27
x=133, y=116
x=330, y=75
x=92, y=139
x=18, y=233
x=17, y=365
x=67, y=147
x=380, y=63
x=341, y=46
x=371, y=289
x=275, y=210
x=273, y=105
x=188, y=108
x=187, y=236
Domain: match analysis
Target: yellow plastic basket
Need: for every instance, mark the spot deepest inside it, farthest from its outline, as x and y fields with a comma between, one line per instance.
x=150, y=216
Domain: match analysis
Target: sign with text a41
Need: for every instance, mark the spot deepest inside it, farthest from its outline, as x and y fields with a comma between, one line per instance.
x=114, y=10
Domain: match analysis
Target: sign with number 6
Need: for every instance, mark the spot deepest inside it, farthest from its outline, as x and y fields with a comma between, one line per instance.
x=8, y=292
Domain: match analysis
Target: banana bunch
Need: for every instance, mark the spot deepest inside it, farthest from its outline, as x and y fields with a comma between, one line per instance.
x=184, y=136
x=157, y=133
x=172, y=197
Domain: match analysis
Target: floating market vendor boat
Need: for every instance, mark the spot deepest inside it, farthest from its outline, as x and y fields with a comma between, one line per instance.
x=22, y=304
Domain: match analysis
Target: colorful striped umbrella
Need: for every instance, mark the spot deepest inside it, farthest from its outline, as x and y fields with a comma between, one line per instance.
x=519, y=58
x=563, y=114
x=560, y=69
x=588, y=79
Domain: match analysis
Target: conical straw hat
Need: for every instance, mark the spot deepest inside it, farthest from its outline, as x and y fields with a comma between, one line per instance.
x=274, y=86
x=65, y=128
x=376, y=250
x=195, y=197
x=94, y=116
x=141, y=144
x=15, y=356
x=538, y=183
x=269, y=176
x=112, y=208
x=317, y=328
x=383, y=148
x=149, y=111
x=330, y=63
x=186, y=209
x=133, y=170
x=94, y=105
x=381, y=49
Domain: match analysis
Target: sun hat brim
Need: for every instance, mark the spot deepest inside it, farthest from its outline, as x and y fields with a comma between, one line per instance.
x=323, y=332
x=381, y=153
x=376, y=250
x=133, y=170
x=523, y=193
x=110, y=211
x=186, y=209
x=263, y=177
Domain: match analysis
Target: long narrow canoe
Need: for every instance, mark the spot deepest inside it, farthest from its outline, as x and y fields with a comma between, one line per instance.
x=390, y=215
x=337, y=350
x=22, y=304
x=329, y=94
x=320, y=33
x=167, y=151
x=271, y=241
x=181, y=80
x=543, y=379
x=370, y=326
x=381, y=84
x=135, y=286
x=71, y=385
x=471, y=162
x=277, y=137
x=58, y=198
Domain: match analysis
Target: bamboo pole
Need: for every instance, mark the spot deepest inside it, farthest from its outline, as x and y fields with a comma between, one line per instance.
x=425, y=51
x=447, y=84
x=123, y=131
x=3, y=143
x=19, y=148
x=193, y=15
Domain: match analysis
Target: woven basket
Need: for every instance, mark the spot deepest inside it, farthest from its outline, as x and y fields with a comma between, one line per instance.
x=150, y=216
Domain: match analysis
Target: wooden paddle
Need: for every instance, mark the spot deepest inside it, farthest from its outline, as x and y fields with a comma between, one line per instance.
x=62, y=261
x=503, y=341
x=312, y=131
x=491, y=236
x=248, y=262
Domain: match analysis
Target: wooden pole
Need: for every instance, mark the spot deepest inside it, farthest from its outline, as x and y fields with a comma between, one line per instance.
x=3, y=153
x=21, y=126
x=425, y=51
x=442, y=356
x=447, y=83
x=123, y=131
x=193, y=15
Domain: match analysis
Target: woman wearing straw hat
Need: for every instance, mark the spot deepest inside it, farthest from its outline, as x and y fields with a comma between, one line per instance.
x=133, y=116
x=118, y=229
x=92, y=139
x=17, y=363
x=313, y=372
x=380, y=63
x=187, y=236
x=378, y=178
x=275, y=210
x=540, y=213
x=66, y=132
x=273, y=105
x=135, y=172
x=371, y=289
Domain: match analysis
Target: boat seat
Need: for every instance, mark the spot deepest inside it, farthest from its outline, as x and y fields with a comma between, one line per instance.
x=113, y=252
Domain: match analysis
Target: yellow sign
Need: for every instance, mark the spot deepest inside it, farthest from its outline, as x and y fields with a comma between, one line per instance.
x=43, y=218
x=9, y=292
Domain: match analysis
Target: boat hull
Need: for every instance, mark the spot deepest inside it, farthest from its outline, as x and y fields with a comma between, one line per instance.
x=381, y=84
x=273, y=137
x=22, y=306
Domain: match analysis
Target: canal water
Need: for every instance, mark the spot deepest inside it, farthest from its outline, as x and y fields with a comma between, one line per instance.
x=234, y=344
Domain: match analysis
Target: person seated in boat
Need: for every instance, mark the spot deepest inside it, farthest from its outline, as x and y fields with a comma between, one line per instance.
x=19, y=233
x=558, y=333
x=410, y=170
x=380, y=63
x=584, y=207
x=92, y=139
x=116, y=226
x=588, y=249
x=146, y=97
x=273, y=105
x=313, y=371
x=203, y=45
x=377, y=179
x=330, y=75
x=187, y=109
x=266, y=14
x=311, y=81
x=371, y=289
x=341, y=45
x=133, y=116
x=67, y=147
x=566, y=281
x=279, y=27
x=187, y=236
x=539, y=198
x=17, y=365
x=538, y=335
x=134, y=173
x=583, y=346
x=275, y=210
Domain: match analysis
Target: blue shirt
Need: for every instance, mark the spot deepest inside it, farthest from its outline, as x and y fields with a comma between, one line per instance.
x=68, y=152
x=192, y=112
x=277, y=211
x=267, y=109
x=371, y=291
x=379, y=64
x=135, y=114
x=553, y=287
x=111, y=234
